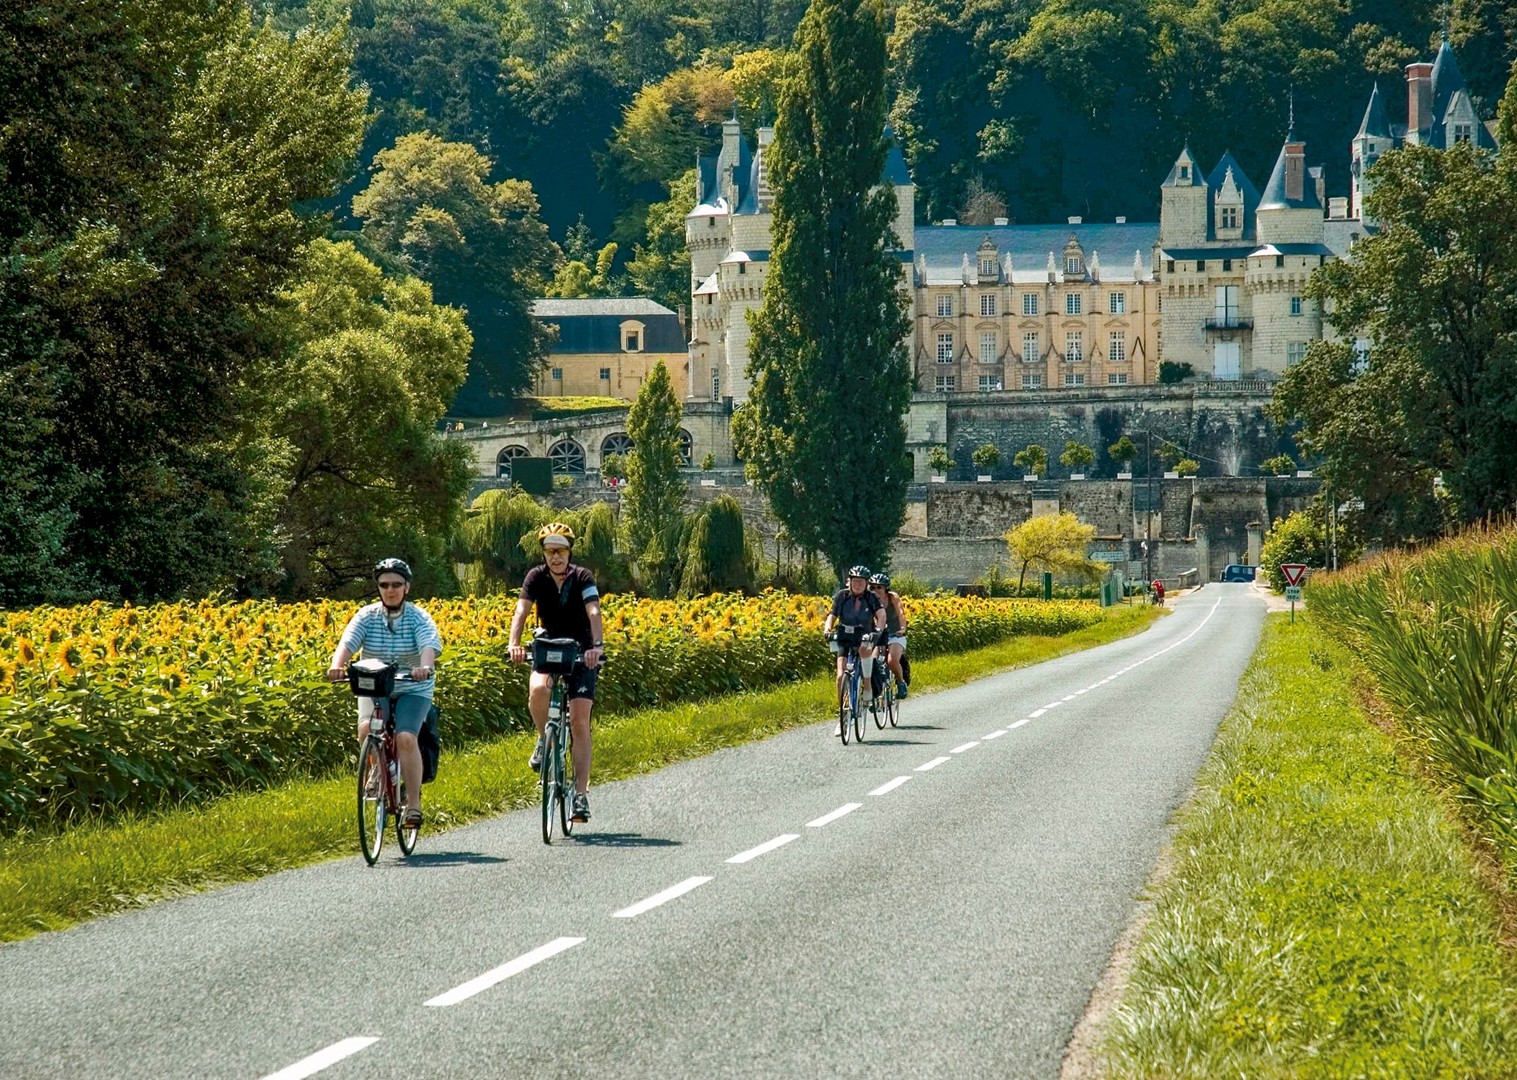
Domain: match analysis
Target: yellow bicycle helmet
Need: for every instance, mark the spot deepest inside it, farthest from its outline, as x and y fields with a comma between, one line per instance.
x=564, y=535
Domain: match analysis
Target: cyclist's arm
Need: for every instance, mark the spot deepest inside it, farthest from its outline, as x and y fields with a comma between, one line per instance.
x=339, y=662
x=518, y=620
x=900, y=611
x=350, y=642
x=592, y=656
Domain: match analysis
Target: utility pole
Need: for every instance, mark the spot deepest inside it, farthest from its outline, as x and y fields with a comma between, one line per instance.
x=1148, y=545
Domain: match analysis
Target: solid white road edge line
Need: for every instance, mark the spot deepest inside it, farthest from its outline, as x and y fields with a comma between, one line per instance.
x=309, y=1066
x=671, y=893
x=966, y=746
x=890, y=785
x=828, y=819
x=765, y=848
x=933, y=764
x=464, y=991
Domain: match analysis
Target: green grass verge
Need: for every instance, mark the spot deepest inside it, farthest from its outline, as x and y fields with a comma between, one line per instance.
x=48, y=882
x=1322, y=916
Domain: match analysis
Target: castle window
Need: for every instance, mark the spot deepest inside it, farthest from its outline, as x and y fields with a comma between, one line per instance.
x=1074, y=347
x=988, y=347
x=1073, y=304
x=1229, y=217
x=1116, y=347
x=1227, y=266
x=1295, y=352
x=1029, y=303
x=945, y=348
x=1463, y=132
x=987, y=304
x=1072, y=265
x=1171, y=267
x=1032, y=382
x=1201, y=265
x=632, y=341
x=987, y=267
x=1116, y=379
x=1279, y=262
x=1295, y=305
x=945, y=307
x=1074, y=378
x=556, y=374
x=989, y=383
x=944, y=384
x=1184, y=172
x=1116, y=303
x=605, y=374
x=1030, y=350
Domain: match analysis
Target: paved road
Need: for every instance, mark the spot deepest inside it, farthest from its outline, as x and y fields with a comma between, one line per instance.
x=936, y=902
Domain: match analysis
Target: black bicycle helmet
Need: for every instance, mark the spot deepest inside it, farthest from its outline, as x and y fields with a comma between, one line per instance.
x=880, y=579
x=859, y=571
x=392, y=566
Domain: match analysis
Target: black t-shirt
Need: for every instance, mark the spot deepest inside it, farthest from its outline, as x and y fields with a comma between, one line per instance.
x=853, y=610
x=561, y=609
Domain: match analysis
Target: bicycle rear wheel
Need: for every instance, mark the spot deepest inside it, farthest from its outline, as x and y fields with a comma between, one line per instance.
x=881, y=710
x=371, y=799
x=566, y=782
x=858, y=710
x=406, y=834
x=895, y=708
x=550, y=773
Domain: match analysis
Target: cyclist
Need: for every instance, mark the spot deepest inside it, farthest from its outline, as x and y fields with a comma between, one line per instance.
x=568, y=605
x=854, y=605
x=398, y=632
x=895, y=629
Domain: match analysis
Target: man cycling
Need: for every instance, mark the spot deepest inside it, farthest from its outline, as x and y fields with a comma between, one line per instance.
x=398, y=632
x=568, y=605
x=855, y=606
x=895, y=629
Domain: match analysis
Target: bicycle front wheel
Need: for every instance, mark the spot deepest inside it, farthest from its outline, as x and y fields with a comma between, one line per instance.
x=843, y=711
x=371, y=799
x=550, y=774
x=858, y=712
x=881, y=709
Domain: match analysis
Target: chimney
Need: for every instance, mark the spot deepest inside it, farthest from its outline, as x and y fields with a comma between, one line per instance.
x=1419, y=100
x=1337, y=208
x=1121, y=219
x=1003, y=221
x=1076, y=220
x=1295, y=171
x=1319, y=184
x=765, y=136
x=950, y=221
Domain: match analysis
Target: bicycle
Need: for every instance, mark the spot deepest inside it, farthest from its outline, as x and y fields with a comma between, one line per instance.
x=381, y=790
x=849, y=638
x=556, y=658
x=889, y=706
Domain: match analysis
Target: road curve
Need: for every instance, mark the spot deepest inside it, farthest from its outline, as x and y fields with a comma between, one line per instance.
x=938, y=901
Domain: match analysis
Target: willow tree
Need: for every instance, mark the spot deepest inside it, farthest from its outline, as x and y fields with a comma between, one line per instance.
x=824, y=435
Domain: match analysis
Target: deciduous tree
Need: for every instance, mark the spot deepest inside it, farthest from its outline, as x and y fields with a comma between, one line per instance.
x=1053, y=542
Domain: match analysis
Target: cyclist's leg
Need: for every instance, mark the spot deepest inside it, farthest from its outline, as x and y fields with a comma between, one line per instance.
x=581, y=699
x=539, y=690
x=365, y=711
x=895, y=660
x=866, y=669
x=410, y=714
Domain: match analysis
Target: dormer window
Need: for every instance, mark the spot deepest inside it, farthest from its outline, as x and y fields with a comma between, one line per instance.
x=1463, y=132
x=1072, y=265
x=987, y=266
x=632, y=336
x=1184, y=172
x=1229, y=217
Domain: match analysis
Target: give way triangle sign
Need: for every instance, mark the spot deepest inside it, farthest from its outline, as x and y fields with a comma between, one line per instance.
x=1293, y=572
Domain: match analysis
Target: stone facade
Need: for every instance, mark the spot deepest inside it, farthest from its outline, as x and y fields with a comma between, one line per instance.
x=608, y=347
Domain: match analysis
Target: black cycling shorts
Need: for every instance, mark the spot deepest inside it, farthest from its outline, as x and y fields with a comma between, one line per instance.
x=580, y=682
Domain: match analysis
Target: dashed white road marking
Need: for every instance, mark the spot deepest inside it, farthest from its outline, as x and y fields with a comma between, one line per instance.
x=671, y=893
x=1051, y=705
x=890, y=785
x=765, y=848
x=966, y=746
x=994, y=734
x=464, y=991
x=828, y=819
x=1036, y=713
x=1068, y=697
x=933, y=764
x=309, y=1066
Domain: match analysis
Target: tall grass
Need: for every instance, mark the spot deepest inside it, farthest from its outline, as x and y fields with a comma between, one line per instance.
x=1438, y=630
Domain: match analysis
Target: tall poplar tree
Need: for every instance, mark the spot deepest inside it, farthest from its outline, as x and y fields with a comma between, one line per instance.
x=652, y=504
x=823, y=431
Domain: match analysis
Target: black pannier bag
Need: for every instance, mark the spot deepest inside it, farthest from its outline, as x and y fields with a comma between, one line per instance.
x=429, y=740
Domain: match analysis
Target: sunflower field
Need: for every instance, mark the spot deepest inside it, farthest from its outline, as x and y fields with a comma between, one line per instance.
x=104, y=708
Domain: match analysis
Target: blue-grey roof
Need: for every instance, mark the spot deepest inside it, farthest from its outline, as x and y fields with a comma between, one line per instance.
x=944, y=246
x=1273, y=197
x=1188, y=254
x=1375, y=122
x=1245, y=185
x=1295, y=249
x=593, y=325
x=1447, y=79
x=1173, y=179
x=705, y=178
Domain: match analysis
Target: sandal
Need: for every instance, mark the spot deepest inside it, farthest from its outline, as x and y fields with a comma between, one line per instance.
x=413, y=819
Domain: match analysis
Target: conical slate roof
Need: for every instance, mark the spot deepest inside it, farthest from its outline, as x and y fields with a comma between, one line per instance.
x=1375, y=124
x=1273, y=197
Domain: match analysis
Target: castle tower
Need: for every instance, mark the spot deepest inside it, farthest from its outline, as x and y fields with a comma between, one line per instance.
x=1374, y=138
x=1182, y=207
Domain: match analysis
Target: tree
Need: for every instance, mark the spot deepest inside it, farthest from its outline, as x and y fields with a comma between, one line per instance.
x=1299, y=538
x=652, y=518
x=1077, y=457
x=1432, y=297
x=1171, y=372
x=717, y=556
x=660, y=268
x=986, y=457
x=829, y=372
x=1122, y=452
x=373, y=367
x=1187, y=467
x=939, y=460
x=431, y=209
x=153, y=157
x=1279, y=465
x=668, y=124
x=1053, y=542
x=1033, y=461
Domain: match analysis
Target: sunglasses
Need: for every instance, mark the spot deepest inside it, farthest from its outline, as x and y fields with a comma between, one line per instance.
x=392, y=584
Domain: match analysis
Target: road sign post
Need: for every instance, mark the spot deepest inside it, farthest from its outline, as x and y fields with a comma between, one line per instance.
x=1293, y=573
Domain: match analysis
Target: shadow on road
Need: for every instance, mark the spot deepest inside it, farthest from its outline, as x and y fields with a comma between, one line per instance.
x=892, y=742
x=615, y=839
x=449, y=858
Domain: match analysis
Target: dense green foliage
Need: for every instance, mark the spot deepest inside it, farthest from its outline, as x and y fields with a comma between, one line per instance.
x=1438, y=630
x=823, y=432
x=1299, y=538
x=653, y=519
x=718, y=557
x=1433, y=297
x=1322, y=916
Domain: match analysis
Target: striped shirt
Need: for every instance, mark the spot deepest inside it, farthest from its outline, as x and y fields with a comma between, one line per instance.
x=396, y=639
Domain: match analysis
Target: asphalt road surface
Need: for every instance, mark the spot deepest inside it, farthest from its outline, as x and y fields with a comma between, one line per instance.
x=937, y=902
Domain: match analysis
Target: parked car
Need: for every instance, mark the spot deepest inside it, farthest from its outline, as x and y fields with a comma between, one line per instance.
x=1238, y=572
